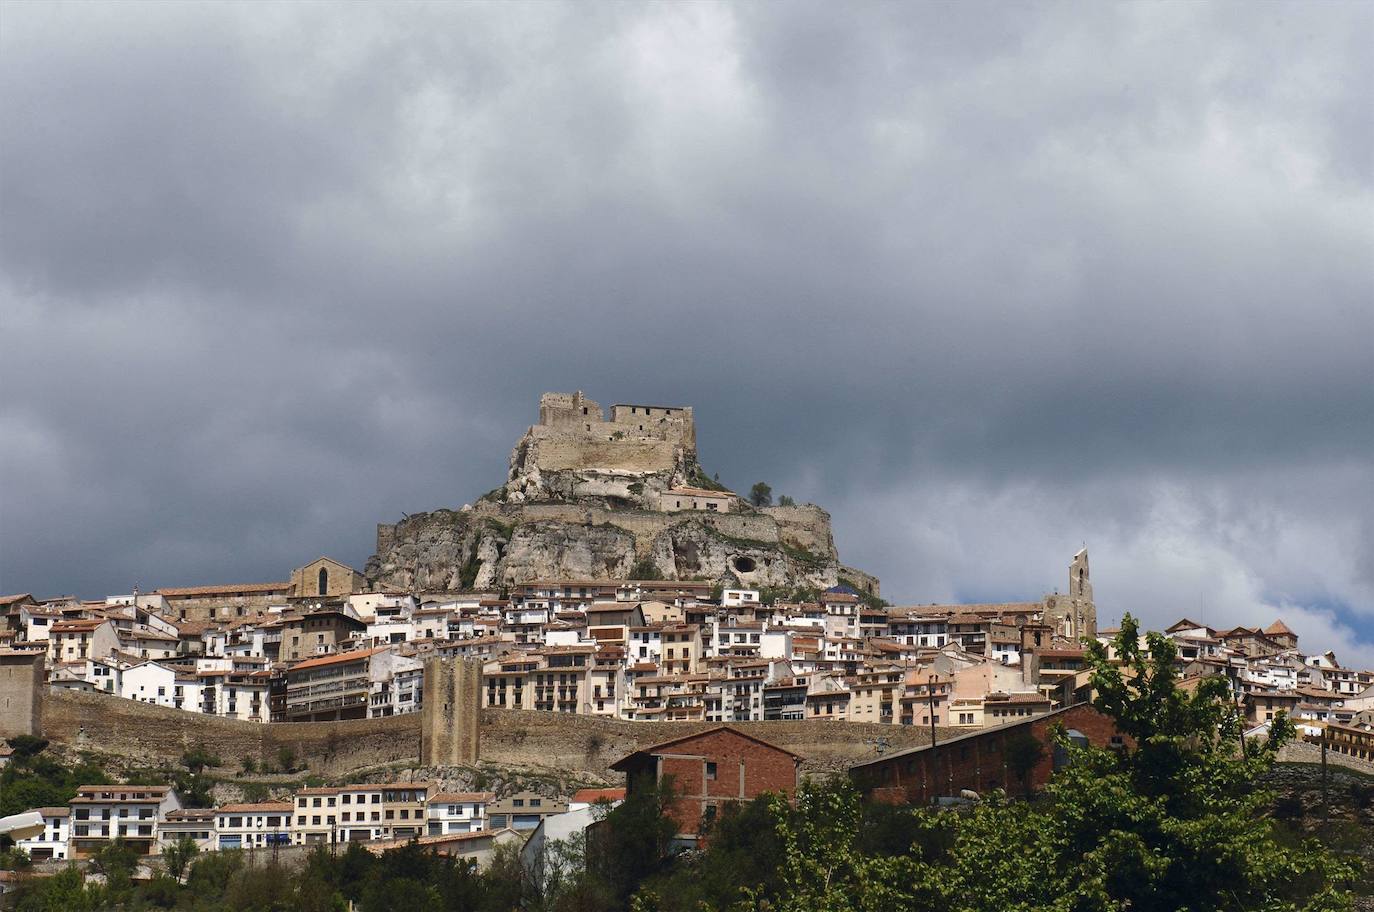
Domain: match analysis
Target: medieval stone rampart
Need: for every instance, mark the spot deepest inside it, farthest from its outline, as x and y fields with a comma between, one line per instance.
x=556, y=450
x=804, y=526
x=588, y=744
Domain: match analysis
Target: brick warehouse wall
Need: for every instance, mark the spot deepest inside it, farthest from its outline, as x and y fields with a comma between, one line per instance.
x=745, y=769
x=153, y=734
x=977, y=762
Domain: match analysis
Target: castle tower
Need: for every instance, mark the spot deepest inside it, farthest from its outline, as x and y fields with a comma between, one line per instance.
x=21, y=693
x=451, y=712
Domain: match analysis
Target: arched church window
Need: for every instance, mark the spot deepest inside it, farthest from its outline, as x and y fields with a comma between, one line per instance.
x=324, y=580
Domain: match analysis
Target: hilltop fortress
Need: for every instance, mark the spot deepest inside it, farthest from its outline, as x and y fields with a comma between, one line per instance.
x=589, y=496
x=574, y=452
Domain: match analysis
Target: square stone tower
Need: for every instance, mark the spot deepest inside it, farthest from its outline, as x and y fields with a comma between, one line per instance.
x=21, y=693
x=451, y=713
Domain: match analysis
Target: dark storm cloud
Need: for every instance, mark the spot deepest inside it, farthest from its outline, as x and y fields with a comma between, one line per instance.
x=987, y=281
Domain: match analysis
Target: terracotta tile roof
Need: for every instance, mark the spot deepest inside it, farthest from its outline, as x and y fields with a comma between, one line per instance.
x=78, y=625
x=457, y=797
x=336, y=659
x=700, y=492
x=262, y=807
x=1278, y=628
x=245, y=588
x=591, y=796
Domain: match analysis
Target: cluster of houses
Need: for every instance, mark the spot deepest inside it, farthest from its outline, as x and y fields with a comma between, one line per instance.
x=152, y=818
x=709, y=769
x=321, y=647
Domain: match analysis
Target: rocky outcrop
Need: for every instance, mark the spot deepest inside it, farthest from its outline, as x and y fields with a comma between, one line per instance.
x=486, y=548
x=581, y=501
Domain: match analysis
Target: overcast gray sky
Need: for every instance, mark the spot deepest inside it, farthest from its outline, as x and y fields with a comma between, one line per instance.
x=986, y=281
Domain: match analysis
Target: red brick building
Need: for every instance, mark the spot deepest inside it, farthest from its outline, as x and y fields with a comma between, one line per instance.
x=711, y=769
x=978, y=760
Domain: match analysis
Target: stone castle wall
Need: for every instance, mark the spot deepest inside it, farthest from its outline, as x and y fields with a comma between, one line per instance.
x=558, y=450
x=573, y=434
x=582, y=744
x=804, y=526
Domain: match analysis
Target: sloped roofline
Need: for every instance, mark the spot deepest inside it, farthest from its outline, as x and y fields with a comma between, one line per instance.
x=619, y=764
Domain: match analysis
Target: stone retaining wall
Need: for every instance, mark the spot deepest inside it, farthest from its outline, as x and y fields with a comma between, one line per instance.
x=153, y=734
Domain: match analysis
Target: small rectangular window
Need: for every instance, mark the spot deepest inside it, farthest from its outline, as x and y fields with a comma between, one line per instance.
x=710, y=770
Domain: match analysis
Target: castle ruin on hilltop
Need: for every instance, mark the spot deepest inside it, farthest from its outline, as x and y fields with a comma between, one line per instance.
x=576, y=452
x=595, y=496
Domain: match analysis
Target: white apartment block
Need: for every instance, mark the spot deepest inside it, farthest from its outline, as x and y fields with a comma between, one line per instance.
x=457, y=812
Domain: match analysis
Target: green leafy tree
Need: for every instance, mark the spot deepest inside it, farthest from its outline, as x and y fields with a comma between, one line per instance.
x=635, y=842
x=33, y=779
x=761, y=495
x=1023, y=752
x=179, y=855
x=264, y=888
x=1172, y=820
x=645, y=569
x=211, y=872
x=161, y=892
x=63, y=892
x=116, y=860
x=197, y=759
x=785, y=501
x=824, y=868
x=26, y=747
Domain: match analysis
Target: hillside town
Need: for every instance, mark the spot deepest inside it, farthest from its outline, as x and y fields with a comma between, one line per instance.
x=320, y=647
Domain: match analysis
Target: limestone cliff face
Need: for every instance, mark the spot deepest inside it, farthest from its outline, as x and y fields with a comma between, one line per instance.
x=489, y=546
x=580, y=501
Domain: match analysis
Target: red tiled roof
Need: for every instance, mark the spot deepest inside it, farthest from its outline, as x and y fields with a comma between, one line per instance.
x=246, y=588
x=262, y=807
x=592, y=796
x=700, y=492
x=335, y=659
x=456, y=797
x=78, y=625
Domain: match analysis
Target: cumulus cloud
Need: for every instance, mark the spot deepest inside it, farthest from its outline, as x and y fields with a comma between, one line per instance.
x=986, y=281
